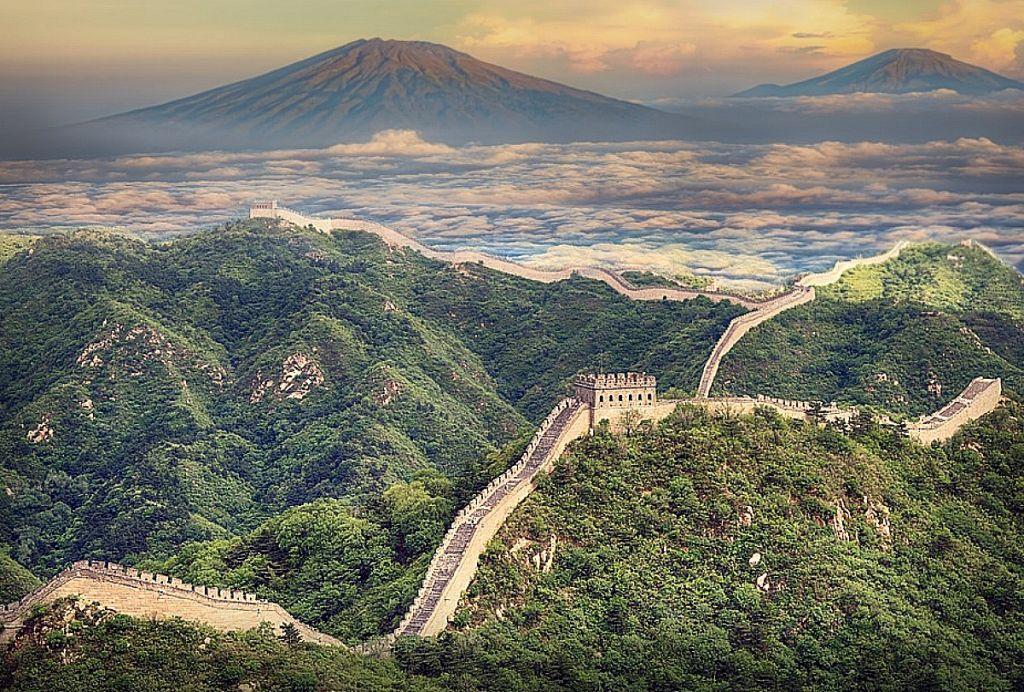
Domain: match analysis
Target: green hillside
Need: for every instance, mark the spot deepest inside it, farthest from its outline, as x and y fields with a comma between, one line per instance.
x=638, y=565
x=154, y=395
x=904, y=336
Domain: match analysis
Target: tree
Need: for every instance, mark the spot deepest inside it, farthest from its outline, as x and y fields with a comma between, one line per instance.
x=290, y=634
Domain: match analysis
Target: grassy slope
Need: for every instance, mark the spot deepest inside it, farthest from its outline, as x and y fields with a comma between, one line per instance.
x=904, y=336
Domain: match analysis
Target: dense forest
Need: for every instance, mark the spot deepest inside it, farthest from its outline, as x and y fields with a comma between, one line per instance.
x=300, y=415
x=157, y=395
x=709, y=552
x=901, y=337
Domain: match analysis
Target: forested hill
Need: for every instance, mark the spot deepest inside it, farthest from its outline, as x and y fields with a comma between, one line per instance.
x=709, y=552
x=901, y=337
x=152, y=395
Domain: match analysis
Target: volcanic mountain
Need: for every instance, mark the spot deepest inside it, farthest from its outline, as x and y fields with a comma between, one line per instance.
x=896, y=71
x=366, y=86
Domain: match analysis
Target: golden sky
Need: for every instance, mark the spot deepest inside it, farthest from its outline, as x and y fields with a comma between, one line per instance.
x=627, y=48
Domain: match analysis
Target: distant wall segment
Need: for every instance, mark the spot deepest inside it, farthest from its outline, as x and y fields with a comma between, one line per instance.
x=273, y=210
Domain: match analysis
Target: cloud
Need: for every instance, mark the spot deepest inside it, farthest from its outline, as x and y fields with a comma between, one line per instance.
x=736, y=212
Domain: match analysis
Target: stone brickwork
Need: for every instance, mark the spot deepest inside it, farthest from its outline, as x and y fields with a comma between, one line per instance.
x=738, y=328
x=803, y=293
x=455, y=560
x=981, y=396
x=148, y=595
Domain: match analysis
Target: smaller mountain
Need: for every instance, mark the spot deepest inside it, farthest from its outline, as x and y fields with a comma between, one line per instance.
x=896, y=71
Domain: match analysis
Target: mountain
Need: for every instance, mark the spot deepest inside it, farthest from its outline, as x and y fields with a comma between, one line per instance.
x=153, y=395
x=705, y=553
x=366, y=86
x=900, y=336
x=896, y=71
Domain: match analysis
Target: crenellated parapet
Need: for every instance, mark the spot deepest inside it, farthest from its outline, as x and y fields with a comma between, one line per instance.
x=147, y=594
x=454, y=562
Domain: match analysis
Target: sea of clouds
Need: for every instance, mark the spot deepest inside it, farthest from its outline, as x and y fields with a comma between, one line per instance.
x=749, y=214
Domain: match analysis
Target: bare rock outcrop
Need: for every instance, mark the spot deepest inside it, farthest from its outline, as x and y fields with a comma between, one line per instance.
x=150, y=345
x=41, y=432
x=300, y=374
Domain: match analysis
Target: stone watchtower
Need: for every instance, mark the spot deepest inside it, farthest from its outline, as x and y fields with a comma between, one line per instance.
x=609, y=396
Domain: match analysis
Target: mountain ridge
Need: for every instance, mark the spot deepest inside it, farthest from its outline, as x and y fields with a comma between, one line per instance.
x=895, y=71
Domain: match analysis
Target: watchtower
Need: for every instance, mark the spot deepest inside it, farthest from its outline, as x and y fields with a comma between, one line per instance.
x=609, y=395
x=263, y=209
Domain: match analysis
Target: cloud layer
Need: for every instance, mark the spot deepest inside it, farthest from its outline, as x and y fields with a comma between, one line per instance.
x=753, y=214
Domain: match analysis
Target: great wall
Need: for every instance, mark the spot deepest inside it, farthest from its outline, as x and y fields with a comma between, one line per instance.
x=145, y=595
x=615, y=398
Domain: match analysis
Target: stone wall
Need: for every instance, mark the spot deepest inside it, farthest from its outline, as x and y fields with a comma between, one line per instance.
x=486, y=513
x=271, y=210
x=981, y=396
x=833, y=274
x=803, y=293
x=148, y=595
x=739, y=326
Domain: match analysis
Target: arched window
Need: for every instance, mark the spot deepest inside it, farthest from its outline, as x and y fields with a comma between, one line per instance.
x=649, y=396
x=601, y=398
x=620, y=397
x=630, y=397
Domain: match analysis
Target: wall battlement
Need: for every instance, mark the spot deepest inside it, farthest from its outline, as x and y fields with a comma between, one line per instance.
x=145, y=594
x=115, y=570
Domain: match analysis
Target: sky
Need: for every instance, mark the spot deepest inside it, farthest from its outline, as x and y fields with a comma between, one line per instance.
x=68, y=60
x=746, y=215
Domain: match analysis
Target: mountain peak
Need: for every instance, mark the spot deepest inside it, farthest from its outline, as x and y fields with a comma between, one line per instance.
x=896, y=71
x=360, y=88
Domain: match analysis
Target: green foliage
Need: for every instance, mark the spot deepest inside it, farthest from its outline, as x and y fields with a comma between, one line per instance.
x=347, y=570
x=11, y=244
x=951, y=278
x=144, y=402
x=157, y=375
x=122, y=653
x=902, y=337
x=653, y=585
x=15, y=580
x=642, y=278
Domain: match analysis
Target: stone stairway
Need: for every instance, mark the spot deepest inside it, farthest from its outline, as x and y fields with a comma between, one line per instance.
x=440, y=589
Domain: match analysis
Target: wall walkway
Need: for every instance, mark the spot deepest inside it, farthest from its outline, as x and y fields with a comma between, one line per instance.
x=979, y=397
x=803, y=293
